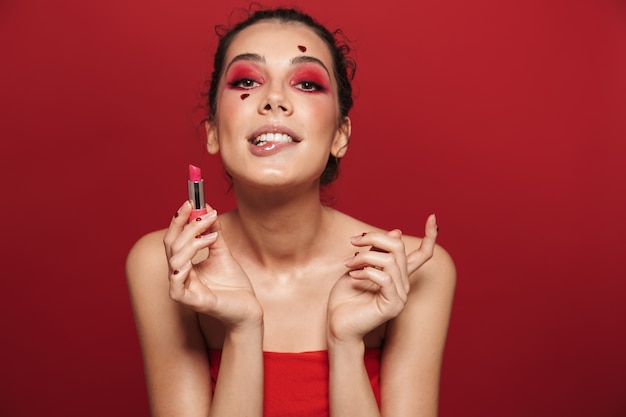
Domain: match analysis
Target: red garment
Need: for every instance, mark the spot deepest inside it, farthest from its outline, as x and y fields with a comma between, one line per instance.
x=296, y=384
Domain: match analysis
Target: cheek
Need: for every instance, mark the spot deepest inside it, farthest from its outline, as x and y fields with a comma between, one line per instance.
x=227, y=102
x=323, y=109
x=233, y=107
x=230, y=119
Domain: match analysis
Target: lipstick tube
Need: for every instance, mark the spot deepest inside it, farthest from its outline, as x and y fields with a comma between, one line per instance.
x=195, y=188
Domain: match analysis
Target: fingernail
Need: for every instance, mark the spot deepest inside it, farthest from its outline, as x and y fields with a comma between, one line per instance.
x=175, y=272
x=351, y=258
x=176, y=215
x=211, y=214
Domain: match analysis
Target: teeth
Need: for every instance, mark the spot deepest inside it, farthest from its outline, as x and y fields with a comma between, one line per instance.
x=271, y=137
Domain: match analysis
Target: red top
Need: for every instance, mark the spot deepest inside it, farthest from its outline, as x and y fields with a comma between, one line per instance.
x=296, y=384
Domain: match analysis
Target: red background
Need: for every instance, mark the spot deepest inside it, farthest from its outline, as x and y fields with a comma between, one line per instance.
x=506, y=118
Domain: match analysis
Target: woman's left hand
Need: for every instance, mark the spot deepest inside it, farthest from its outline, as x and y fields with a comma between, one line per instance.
x=376, y=287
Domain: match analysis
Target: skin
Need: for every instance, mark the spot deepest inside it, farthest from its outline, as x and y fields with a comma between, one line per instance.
x=225, y=281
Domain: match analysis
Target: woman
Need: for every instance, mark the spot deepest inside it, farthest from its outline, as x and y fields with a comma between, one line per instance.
x=305, y=311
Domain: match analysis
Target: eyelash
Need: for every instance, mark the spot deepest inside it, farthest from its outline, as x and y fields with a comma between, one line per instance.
x=249, y=83
x=244, y=83
x=313, y=86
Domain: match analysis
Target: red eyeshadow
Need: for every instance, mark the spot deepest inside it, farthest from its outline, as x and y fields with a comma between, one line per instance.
x=313, y=73
x=243, y=70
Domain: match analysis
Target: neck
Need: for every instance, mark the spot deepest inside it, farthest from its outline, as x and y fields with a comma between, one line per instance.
x=279, y=229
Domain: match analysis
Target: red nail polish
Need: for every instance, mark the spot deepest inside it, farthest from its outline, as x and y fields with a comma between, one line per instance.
x=176, y=215
x=198, y=219
x=175, y=272
x=198, y=236
x=356, y=253
x=363, y=234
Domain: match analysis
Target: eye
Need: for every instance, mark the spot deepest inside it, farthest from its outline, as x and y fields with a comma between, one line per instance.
x=310, y=78
x=309, y=86
x=243, y=83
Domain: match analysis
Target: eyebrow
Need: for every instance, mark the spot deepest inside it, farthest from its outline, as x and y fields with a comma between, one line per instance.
x=245, y=57
x=301, y=59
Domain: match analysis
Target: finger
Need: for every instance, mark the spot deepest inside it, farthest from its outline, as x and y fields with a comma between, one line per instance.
x=390, y=242
x=219, y=247
x=395, y=233
x=178, y=279
x=400, y=256
x=379, y=260
x=190, y=250
x=198, y=227
x=176, y=226
x=389, y=291
x=189, y=291
x=418, y=257
x=380, y=242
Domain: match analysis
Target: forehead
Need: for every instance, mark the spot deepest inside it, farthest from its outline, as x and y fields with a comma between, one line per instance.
x=275, y=39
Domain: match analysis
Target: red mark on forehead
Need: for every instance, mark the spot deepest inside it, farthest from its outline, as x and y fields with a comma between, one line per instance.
x=302, y=48
x=244, y=96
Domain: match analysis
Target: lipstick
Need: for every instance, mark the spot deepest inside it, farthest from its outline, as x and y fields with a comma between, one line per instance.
x=195, y=186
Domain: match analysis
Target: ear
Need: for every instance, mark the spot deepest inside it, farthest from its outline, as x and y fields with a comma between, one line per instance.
x=342, y=138
x=212, y=144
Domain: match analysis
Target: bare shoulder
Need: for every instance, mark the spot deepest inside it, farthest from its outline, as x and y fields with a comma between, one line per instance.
x=439, y=267
x=351, y=226
x=441, y=259
x=146, y=257
x=415, y=339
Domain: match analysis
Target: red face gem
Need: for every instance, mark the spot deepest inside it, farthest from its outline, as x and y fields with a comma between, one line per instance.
x=244, y=96
x=302, y=48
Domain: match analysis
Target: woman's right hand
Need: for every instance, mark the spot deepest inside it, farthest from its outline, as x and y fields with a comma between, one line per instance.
x=216, y=285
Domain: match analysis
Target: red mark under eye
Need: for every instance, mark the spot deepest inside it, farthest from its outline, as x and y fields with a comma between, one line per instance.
x=244, y=96
x=302, y=48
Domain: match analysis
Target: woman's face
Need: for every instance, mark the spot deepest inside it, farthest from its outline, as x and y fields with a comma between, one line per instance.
x=277, y=117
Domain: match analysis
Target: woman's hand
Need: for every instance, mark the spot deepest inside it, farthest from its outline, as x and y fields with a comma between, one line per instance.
x=216, y=285
x=376, y=288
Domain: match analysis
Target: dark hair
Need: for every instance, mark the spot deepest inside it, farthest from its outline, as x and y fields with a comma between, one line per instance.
x=344, y=67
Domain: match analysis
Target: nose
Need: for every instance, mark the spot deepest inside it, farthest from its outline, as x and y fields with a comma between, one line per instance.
x=276, y=101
